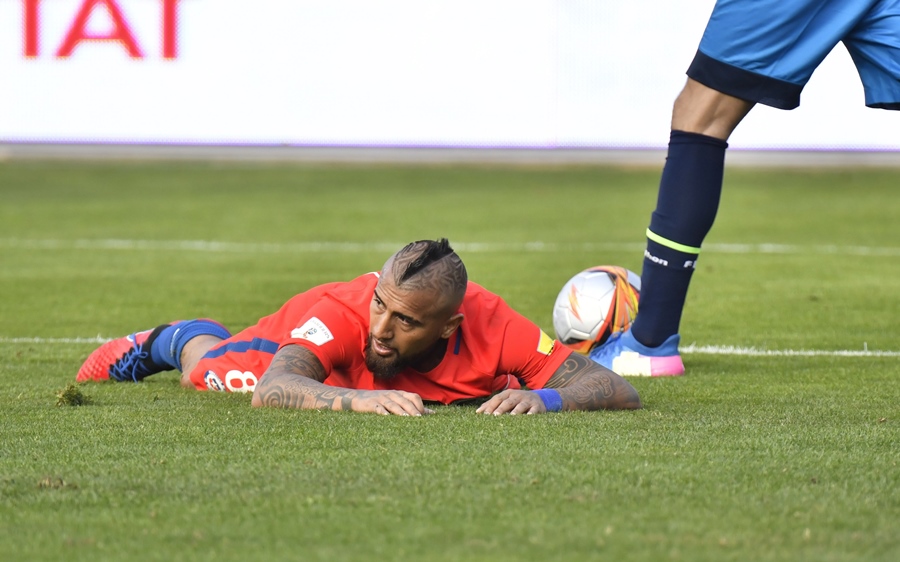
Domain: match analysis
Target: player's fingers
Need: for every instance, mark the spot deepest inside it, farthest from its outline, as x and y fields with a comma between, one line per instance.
x=416, y=401
x=400, y=406
x=518, y=402
x=489, y=406
x=486, y=408
x=506, y=406
x=522, y=408
x=392, y=407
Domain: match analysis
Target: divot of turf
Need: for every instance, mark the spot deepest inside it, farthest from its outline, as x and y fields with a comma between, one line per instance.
x=72, y=395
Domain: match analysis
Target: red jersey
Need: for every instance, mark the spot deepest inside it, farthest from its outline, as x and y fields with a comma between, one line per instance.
x=492, y=342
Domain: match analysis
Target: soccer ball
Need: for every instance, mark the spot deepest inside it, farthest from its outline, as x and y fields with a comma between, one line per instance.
x=594, y=304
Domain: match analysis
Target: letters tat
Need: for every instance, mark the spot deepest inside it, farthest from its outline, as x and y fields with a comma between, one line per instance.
x=120, y=33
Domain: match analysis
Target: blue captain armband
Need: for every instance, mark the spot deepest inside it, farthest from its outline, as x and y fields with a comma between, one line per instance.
x=551, y=399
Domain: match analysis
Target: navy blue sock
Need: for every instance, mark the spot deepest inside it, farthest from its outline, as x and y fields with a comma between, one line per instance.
x=664, y=287
x=689, y=192
x=166, y=348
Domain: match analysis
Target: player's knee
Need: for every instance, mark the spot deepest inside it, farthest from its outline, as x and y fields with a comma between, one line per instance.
x=195, y=349
x=703, y=110
x=186, y=381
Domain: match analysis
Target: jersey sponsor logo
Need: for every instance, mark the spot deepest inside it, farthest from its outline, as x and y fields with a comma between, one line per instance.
x=545, y=344
x=213, y=382
x=313, y=330
x=240, y=381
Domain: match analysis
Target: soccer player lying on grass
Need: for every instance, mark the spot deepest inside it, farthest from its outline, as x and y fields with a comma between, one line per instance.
x=385, y=343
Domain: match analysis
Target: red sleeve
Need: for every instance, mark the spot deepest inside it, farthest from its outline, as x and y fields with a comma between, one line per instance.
x=530, y=354
x=331, y=331
x=527, y=352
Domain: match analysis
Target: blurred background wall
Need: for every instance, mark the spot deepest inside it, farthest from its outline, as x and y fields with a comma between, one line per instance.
x=389, y=73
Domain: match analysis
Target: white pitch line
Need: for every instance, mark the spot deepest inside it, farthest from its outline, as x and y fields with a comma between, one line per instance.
x=470, y=247
x=94, y=340
x=284, y=247
x=686, y=350
x=754, y=352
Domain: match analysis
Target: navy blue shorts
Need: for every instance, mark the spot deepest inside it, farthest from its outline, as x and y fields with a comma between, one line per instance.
x=765, y=51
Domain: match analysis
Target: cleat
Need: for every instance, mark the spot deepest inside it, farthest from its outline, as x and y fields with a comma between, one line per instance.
x=626, y=356
x=122, y=359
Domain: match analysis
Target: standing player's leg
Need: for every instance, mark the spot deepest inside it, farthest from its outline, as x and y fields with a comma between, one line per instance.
x=751, y=52
x=139, y=355
x=689, y=192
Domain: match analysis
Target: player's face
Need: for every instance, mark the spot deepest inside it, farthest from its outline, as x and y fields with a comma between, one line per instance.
x=405, y=326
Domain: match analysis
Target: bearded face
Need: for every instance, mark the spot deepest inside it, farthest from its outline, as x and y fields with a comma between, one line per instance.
x=408, y=327
x=385, y=367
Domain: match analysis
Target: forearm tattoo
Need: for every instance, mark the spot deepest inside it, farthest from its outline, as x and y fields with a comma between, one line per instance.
x=294, y=380
x=585, y=385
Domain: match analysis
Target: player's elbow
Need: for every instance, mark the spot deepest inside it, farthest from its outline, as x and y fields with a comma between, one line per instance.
x=270, y=393
x=628, y=399
x=624, y=396
x=259, y=393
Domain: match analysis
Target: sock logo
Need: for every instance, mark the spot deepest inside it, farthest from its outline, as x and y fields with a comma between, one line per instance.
x=655, y=259
x=690, y=264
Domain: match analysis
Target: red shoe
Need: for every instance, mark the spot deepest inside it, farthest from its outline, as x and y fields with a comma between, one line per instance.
x=122, y=359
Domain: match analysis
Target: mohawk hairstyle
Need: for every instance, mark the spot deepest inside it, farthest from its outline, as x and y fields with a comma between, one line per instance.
x=433, y=251
x=431, y=263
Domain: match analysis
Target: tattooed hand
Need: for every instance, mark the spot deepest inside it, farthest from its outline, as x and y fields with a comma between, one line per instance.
x=294, y=380
x=513, y=402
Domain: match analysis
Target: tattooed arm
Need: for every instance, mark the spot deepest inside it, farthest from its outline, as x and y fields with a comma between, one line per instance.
x=586, y=385
x=294, y=380
x=582, y=385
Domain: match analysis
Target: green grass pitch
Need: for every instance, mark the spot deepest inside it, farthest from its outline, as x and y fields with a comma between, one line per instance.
x=791, y=455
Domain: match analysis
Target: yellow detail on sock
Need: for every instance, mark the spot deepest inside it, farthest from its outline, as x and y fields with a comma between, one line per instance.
x=670, y=244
